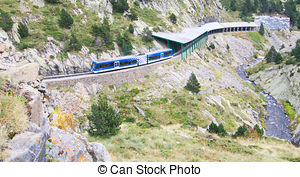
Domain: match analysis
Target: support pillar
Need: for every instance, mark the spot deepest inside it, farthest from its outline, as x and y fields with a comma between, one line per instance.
x=181, y=52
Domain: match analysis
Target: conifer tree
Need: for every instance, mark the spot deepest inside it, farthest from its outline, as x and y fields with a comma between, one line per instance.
x=173, y=18
x=193, y=85
x=66, y=19
x=73, y=44
x=103, y=120
x=131, y=29
x=23, y=30
x=233, y=5
x=6, y=22
x=262, y=29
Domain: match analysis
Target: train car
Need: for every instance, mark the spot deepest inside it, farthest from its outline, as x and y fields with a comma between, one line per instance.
x=131, y=61
x=159, y=55
x=114, y=64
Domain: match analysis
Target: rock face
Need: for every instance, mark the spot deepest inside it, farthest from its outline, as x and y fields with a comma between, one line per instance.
x=28, y=147
x=273, y=23
x=296, y=139
x=66, y=147
x=282, y=84
x=24, y=73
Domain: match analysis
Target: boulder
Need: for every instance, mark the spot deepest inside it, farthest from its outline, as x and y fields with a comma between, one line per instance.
x=25, y=73
x=296, y=139
x=99, y=152
x=34, y=106
x=27, y=147
x=71, y=147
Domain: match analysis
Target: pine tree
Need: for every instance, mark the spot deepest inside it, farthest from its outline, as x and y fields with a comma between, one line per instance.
x=6, y=22
x=273, y=56
x=52, y=1
x=262, y=29
x=241, y=131
x=147, y=35
x=131, y=29
x=73, y=44
x=233, y=5
x=173, y=18
x=193, y=85
x=66, y=19
x=119, y=6
x=259, y=131
x=103, y=120
x=23, y=30
x=124, y=42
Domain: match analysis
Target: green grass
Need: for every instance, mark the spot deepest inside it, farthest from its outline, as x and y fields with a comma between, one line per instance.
x=257, y=39
x=289, y=110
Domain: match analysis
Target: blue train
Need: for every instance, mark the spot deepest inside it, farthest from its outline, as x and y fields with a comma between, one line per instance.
x=131, y=61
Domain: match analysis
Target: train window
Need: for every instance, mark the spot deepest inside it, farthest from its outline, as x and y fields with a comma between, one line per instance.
x=155, y=57
x=128, y=62
x=168, y=53
x=104, y=65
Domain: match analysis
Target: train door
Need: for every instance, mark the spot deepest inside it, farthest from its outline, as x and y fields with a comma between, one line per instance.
x=117, y=64
x=162, y=55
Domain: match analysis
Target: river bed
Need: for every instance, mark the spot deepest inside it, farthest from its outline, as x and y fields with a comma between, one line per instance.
x=277, y=122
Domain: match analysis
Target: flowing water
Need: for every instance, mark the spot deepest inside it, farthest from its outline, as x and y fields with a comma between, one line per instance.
x=277, y=122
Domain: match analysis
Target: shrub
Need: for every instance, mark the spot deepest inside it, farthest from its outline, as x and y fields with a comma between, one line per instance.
x=296, y=51
x=173, y=18
x=193, y=85
x=131, y=29
x=129, y=119
x=289, y=110
x=104, y=32
x=73, y=44
x=23, y=30
x=241, y=131
x=6, y=22
x=213, y=128
x=212, y=46
x=227, y=47
x=259, y=131
x=119, y=6
x=273, y=56
x=103, y=120
x=147, y=35
x=52, y=1
x=262, y=29
x=65, y=20
x=133, y=15
x=124, y=42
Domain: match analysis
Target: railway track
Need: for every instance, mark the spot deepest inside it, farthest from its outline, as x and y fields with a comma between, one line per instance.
x=69, y=76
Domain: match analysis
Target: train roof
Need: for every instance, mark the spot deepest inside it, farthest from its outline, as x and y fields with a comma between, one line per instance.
x=117, y=58
x=158, y=51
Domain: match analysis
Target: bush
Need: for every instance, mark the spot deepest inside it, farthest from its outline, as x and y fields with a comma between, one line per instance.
x=103, y=120
x=241, y=131
x=23, y=30
x=65, y=20
x=173, y=18
x=129, y=119
x=124, y=43
x=52, y=1
x=6, y=22
x=104, y=32
x=119, y=6
x=193, y=85
x=147, y=35
x=259, y=131
x=133, y=15
x=212, y=46
x=296, y=51
x=262, y=29
x=73, y=44
x=131, y=29
x=213, y=128
x=273, y=56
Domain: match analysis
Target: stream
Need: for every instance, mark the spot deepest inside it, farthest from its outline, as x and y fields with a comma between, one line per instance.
x=277, y=121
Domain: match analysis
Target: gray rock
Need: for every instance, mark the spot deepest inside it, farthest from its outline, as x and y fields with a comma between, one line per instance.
x=140, y=111
x=273, y=23
x=27, y=147
x=71, y=147
x=24, y=73
x=100, y=152
x=296, y=139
